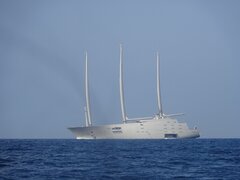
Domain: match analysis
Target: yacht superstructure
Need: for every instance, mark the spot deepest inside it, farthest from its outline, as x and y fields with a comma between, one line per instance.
x=159, y=126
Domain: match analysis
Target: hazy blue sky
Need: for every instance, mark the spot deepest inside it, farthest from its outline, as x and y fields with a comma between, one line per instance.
x=42, y=46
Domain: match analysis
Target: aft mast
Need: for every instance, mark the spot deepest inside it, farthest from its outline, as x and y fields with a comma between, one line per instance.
x=87, y=111
x=121, y=86
x=160, y=111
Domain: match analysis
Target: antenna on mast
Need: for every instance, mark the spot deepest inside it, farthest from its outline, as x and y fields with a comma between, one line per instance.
x=121, y=86
x=160, y=111
x=88, y=113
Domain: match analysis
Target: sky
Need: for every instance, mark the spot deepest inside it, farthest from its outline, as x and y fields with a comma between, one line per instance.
x=42, y=45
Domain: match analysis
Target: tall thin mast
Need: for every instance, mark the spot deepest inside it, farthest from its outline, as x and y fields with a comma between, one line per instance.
x=160, y=111
x=121, y=86
x=87, y=93
x=86, y=117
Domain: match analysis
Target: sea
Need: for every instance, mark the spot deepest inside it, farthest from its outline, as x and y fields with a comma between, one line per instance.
x=120, y=159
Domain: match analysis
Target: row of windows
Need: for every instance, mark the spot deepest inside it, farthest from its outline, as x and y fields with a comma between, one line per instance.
x=117, y=131
x=116, y=128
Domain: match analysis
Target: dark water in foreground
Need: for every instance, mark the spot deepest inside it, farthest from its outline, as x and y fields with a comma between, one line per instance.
x=121, y=159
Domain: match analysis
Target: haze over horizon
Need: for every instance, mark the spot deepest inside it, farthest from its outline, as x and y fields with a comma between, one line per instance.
x=42, y=45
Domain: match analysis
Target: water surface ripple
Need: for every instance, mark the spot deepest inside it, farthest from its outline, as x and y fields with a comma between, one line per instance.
x=120, y=159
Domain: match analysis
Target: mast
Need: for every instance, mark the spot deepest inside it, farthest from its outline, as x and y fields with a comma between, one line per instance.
x=121, y=86
x=160, y=111
x=86, y=117
x=88, y=113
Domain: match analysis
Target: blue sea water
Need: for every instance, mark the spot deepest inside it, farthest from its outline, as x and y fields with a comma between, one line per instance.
x=120, y=159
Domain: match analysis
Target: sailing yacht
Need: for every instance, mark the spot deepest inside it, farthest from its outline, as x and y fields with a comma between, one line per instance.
x=159, y=126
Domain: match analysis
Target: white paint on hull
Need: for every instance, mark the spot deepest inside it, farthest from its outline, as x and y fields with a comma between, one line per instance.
x=142, y=129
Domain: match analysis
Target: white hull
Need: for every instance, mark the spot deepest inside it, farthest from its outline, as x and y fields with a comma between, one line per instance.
x=166, y=128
